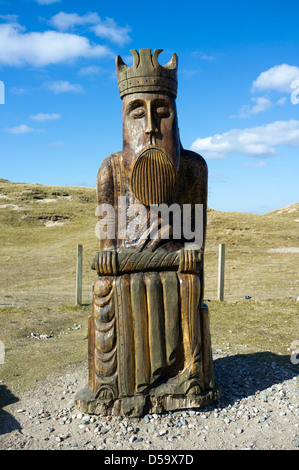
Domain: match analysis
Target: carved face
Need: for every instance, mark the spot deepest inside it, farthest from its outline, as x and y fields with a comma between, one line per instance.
x=150, y=123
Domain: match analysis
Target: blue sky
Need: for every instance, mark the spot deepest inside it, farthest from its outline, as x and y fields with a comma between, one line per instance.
x=238, y=93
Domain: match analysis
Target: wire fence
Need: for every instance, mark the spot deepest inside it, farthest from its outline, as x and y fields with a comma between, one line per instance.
x=43, y=281
x=263, y=279
x=48, y=280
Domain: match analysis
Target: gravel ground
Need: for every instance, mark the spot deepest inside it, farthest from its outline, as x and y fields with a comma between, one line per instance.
x=258, y=410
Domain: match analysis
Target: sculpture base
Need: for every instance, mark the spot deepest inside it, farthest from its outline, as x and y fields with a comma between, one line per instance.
x=140, y=405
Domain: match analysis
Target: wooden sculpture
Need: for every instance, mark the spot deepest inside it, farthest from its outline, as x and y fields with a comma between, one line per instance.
x=149, y=337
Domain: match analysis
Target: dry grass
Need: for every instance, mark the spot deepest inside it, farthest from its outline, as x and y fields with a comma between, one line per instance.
x=37, y=279
x=250, y=268
x=27, y=359
x=38, y=263
x=254, y=326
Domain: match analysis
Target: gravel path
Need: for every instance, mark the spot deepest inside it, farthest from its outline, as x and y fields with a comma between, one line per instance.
x=258, y=410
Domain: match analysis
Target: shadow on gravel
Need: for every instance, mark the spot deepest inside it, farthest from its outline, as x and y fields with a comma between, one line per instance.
x=243, y=375
x=7, y=422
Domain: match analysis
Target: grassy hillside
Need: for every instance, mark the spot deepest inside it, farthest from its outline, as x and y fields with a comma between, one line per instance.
x=261, y=253
x=42, y=225
x=40, y=228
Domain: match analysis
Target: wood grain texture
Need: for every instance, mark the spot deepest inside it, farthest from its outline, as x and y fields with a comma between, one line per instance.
x=149, y=336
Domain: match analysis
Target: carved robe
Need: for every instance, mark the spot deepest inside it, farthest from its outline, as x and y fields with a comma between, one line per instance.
x=149, y=330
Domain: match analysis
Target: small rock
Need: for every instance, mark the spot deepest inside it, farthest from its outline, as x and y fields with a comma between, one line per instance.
x=261, y=419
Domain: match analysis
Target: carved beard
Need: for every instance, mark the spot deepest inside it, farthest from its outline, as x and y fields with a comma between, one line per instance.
x=153, y=177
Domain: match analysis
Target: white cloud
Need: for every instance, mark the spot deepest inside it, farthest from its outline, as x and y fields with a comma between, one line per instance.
x=278, y=78
x=22, y=129
x=261, y=105
x=208, y=57
x=47, y=2
x=64, y=21
x=90, y=70
x=108, y=29
x=188, y=72
x=260, y=164
x=281, y=101
x=61, y=86
x=9, y=18
x=42, y=117
x=19, y=90
x=281, y=78
x=254, y=141
x=18, y=48
x=295, y=92
x=218, y=177
x=203, y=56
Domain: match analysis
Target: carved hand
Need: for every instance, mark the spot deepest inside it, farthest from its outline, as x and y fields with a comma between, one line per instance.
x=105, y=263
x=189, y=260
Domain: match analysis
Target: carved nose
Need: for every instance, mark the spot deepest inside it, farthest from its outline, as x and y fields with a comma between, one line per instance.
x=151, y=127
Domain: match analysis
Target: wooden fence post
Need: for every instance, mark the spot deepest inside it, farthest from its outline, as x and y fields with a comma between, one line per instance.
x=79, y=275
x=221, y=265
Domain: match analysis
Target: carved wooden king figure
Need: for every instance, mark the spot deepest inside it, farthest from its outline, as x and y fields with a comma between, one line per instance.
x=149, y=336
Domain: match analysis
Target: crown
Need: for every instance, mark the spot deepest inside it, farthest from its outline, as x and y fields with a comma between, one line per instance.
x=146, y=74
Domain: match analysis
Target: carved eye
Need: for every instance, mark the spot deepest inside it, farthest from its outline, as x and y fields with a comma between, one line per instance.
x=138, y=113
x=162, y=111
